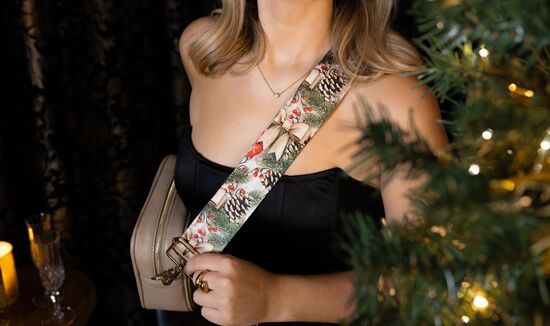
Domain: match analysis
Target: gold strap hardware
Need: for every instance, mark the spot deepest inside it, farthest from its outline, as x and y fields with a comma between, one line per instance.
x=168, y=276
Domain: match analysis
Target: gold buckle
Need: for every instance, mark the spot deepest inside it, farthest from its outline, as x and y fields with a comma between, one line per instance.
x=168, y=276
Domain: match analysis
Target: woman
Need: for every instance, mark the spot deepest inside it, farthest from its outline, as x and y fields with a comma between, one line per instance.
x=243, y=66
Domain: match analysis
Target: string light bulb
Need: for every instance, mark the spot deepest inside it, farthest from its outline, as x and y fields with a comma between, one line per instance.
x=474, y=169
x=542, y=154
x=508, y=185
x=480, y=302
x=487, y=134
x=525, y=201
x=483, y=52
x=545, y=145
x=465, y=319
x=515, y=89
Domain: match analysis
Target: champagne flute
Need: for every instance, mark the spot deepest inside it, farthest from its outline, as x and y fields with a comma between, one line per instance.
x=46, y=255
x=38, y=224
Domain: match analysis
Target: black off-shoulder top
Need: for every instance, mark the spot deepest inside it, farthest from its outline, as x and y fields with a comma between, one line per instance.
x=294, y=228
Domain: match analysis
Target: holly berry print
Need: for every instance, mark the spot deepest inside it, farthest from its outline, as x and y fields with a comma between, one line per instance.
x=256, y=149
x=269, y=157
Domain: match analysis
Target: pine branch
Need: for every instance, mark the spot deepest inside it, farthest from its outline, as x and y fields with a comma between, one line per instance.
x=385, y=145
x=479, y=218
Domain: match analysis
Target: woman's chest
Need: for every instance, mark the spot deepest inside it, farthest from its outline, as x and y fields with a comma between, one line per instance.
x=228, y=115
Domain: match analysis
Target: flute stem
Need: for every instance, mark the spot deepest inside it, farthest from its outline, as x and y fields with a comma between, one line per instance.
x=57, y=311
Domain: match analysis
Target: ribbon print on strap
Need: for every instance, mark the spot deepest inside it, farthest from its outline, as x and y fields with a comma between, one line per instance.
x=264, y=164
x=284, y=128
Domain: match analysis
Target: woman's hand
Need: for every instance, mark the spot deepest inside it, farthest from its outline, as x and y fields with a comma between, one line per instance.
x=241, y=292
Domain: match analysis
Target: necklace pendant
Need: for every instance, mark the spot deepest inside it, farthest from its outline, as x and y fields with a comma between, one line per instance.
x=277, y=95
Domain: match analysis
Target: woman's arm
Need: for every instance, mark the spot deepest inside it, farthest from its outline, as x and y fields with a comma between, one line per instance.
x=415, y=111
x=316, y=298
x=408, y=106
x=244, y=294
x=187, y=37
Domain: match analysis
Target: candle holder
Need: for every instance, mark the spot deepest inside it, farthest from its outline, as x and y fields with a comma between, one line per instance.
x=9, y=288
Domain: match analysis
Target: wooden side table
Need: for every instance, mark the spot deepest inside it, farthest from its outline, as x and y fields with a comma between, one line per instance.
x=78, y=292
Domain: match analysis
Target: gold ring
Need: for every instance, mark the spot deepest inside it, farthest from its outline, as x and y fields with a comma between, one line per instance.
x=201, y=283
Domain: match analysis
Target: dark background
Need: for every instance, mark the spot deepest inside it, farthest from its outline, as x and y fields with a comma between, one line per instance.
x=94, y=97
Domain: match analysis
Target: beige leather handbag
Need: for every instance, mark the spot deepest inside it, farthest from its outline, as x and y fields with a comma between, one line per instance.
x=162, y=218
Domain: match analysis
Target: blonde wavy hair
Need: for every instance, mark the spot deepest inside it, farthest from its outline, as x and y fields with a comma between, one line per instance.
x=363, y=43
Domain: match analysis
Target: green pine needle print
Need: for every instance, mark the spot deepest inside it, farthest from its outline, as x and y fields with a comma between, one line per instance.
x=218, y=213
x=218, y=241
x=313, y=119
x=270, y=162
x=321, y=109
x=239, y=176
x=256, y=197
x=224, y=224
x=315, y=99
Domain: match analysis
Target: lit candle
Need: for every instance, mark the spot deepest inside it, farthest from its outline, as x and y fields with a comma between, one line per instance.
x=9, y=290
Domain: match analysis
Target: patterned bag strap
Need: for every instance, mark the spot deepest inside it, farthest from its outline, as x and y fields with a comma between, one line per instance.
x=265, y=162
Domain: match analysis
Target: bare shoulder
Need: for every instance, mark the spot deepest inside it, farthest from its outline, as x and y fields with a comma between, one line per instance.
x=195, y=28
x=405, y=102
x=402, y=100
x=189, y=34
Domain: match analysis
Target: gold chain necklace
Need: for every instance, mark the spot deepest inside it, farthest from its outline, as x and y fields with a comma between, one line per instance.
x=278, y=94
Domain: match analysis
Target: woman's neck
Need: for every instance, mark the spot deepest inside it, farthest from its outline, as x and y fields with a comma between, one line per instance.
x=297, y=31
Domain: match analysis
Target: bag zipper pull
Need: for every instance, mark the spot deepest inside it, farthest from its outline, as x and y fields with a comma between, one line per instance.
x=168, y=276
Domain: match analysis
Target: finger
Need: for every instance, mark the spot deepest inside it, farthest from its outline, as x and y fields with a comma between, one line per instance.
x=209, y=261
x=203, y=299
x=212, y=315
x=210, y=277
x=212, y=299
x=197, y=274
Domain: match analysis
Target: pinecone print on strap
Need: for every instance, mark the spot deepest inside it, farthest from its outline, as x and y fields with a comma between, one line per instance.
x=237, y=204
x=267, y=177
x=332, y=83
x=292, y=149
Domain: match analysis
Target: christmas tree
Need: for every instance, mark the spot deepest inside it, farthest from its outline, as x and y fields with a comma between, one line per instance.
x=478, y=251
